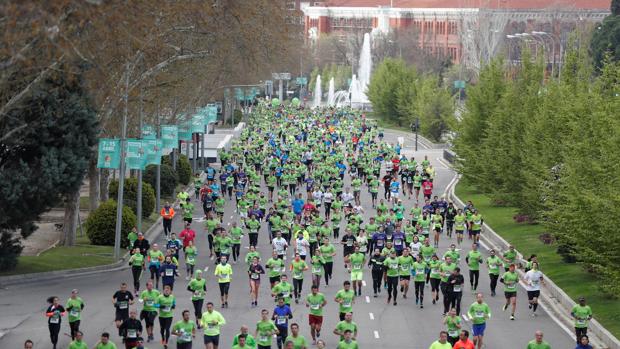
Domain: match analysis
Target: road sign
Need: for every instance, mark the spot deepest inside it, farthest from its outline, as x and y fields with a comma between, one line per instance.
x=281, y=76
x=459, y=84
x=302, y=80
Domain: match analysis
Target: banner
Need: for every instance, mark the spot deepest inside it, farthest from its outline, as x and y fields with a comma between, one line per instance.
x=153, y=151
x=170, y=136
x=109, y=153
x=185, y=132
x=198, y=124
x=136, y=157
x=148, y=132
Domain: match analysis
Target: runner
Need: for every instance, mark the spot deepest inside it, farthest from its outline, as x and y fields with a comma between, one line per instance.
x=254, y=272
x=317, y=267
x=299, y=341
x=345, y=298
x=493, y=262
x=154, y=259
x=279, y=245
x=510, y=279
x=392, y=272
x=74, y=306
x=281, y=314
x=473, y=259
x=442, y=342
x=283, y=290
x=434, y=275
x=190, y=259
x=582, y=314
x=538, y=342
x=533, y=278
x=315, y=301
x=346, y=324
x=453, y=324
x=479, y=312
x=224, y=272
x=445, y=269
x=167, y=214
x=265, y=330
x=131, y=330
x=168, y=270
x=297, y=268
x=464, y=342
x=198, y=287
x=275, y=264
x=348, y=342
x=166, y=303
x=185, y=330
x=356, y=261
x=77, y=342
x=455, y=289
x=121, y=300
x=136, y=261
x=405, y=264
x=244, y=331
x=54, y=313
x=211, y=322
x=149, y=298
x=476, y=225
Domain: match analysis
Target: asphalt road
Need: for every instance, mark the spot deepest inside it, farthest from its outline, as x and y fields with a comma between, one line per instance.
x=381, y=325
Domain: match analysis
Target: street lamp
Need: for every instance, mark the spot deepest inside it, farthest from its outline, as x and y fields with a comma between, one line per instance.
x=415, y=126
x=553, y=43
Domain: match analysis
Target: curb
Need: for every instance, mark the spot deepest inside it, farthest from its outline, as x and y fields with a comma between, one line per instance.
x=555, y=301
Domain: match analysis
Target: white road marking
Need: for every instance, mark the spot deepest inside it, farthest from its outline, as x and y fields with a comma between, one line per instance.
x=206, y=269
x=363, y=283
x=372, y=316
x=367, y=299
x=443, y=162
x=376, y=334
x=465, y=317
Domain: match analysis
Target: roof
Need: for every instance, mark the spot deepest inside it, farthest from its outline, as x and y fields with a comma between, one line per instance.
x=504, y=4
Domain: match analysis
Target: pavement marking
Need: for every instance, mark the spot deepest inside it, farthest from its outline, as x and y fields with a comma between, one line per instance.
x=465, y=317
x=363, y=283
x=376, y=334
x=443, y=162
x=447, y=190
x=367, y=299
x=372, y=316
x=231, y=217
x=206, y=269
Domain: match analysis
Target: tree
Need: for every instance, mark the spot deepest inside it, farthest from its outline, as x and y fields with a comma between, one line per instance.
x=130, y=197
x=168, y=178
x=101, y=223
x=389, y=77
x=435, y=107
x=53, y=127
x=606, y=39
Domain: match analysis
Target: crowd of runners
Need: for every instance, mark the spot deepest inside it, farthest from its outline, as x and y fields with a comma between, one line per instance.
x=297, y=180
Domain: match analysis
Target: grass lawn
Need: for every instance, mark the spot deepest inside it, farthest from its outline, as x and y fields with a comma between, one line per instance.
x=572, y=278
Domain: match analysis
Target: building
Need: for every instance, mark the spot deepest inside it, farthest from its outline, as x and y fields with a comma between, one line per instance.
x=468, y=31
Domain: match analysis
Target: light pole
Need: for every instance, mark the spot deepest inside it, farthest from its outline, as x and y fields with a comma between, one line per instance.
x=553, y=43
x=414, y=127
x=510, y=37
x=121, y=174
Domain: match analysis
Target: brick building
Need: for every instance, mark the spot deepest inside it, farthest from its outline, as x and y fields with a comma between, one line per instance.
x=461, y=29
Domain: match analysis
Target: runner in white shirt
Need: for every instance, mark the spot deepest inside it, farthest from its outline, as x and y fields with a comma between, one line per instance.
x=328, y=198
x=533, y=280
x=301, y=245
x=415, y=247
x=279, y=245
x=347, y=196
x=317, y=195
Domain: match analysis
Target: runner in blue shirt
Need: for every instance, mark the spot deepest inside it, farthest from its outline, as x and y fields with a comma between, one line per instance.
x=281, y=314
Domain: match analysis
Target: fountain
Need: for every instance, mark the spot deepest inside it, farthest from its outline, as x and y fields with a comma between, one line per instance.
x=317, y=92
x=359, y=83
x=330, y=93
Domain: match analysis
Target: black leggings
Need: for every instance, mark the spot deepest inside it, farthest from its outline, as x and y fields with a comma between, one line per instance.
x=253, y=239
x=474, y=275
x=419, y=290
x=164, y=327
x=328, y=268
x=154, y=274
x=455, y=301
x=236, y=248
x=297, y=286
x=198, y=307
x=336, y=232
x=167, y=226
x=446, y=296
x=493, y=278
x=435, y=284
x=74, y=326
x=377, y=277
x=392, y=282
x=189, y=268
x=136, y=272
x=54, y=331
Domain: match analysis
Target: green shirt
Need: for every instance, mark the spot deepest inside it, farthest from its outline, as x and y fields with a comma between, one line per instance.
x=78, y=345
x=582, y=315
x=299, y=342
x=451, y=324
x=511, y=279
x=511, y=257
x=427, y=252
x=211, y=322
x=438, y=345
x=265, y=331
x=327, y=251
x=473, y=260
x=166, y=305
x=533, y=345
x=317, y=265
x=235, y=235
x=405, y=264
x=446, y=270
x=347, y=300
x=188, y=210
x=347, y=345
x=275, y=266
x=74, y=307
x=198, y=287
x=315, y=302
x=479, y=313
x=109, y=345
x=149, y=298
x=136, y=260
x=343, y=326
x=298, y=269
x=420, y=271
x=494, y=262
x=185, y=330
x=284, y=288
x=357, y=261
x=223, y=272
x=392, y=266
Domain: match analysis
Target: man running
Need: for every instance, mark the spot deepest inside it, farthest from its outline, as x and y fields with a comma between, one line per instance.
x=265, y=330
x=121, y=300
x=346, y=324
x=211, y=322
x=356, y=262
x=224, y=272
x=345, y=298
x=131, y=330
x=533, y=278
x=185, y=330
x=510, y=279
x=74, y=306
x=149, y=298
x=479, y=312
x=473, y=259
x=582, y=314
x=315, y=301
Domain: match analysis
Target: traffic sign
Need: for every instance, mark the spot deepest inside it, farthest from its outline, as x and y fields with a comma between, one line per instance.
x=302, y=80
x=459, y=84
x=281, y=76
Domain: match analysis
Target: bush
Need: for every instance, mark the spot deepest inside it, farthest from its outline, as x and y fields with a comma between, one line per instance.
x=184, y=170
x=130, y=195
x=168, y=179
x=101, y=224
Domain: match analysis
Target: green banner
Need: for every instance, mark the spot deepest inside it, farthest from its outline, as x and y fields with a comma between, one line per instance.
x=198, y=124
x=109, y=153
x=170, y=136
x=185, y=132
x=148, y=132
x=239, y=94
x=153, y=151
x=136, y=157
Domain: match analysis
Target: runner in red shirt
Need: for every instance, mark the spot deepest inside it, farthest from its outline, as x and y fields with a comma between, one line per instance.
x=187, y=235
x=464, y=342
x=427, y=189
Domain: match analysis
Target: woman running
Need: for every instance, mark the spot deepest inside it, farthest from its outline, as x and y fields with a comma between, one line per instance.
x=254, y=272
x=54, y=314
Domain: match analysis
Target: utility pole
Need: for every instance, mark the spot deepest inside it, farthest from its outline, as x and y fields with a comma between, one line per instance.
x=139, y=193
x=121, y=175
x=158, y=176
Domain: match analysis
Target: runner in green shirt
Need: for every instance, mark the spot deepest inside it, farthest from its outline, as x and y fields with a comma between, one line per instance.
x=493, y=263
x=419, y=271
x=297, y=267
x=276, y=268
x=345, y=298
x=392, y=272
x=479, y=312
x=582, y=313
x=265, y=329
x=538, y=343
x=346, y=324
x=473, y=259
x=510, y=279
x=74, y=307
x=356, y=268
x=77, y=342
x=315, y=301
x=104, y=342
x=198, y=287
x=453, y=325
x=236, y=234
x=211, y=322
x=405, y=265
x=299, y=342
x=166, y=304
x=283, y=289
x=509, y=257
x=185, y=330
x=317, y=267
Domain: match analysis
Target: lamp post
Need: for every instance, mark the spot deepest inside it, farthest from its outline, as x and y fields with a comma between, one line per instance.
x=553, y=43
x=414, y=128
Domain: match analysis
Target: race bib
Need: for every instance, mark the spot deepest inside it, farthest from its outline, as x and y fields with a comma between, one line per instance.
x=186, y=337
x=132, y=333
x=420, y=271
x=263, y=338
x=581, y=322
x=479, y=314
x=169, y=272
x=281, y=320
x=297, y=275
x=315, y=306
x=166, y=309
x=457, y=288
x=404, y=267
x=254, y=276
x=74, y=312
x=316, y=270
x=285, y=294
x=453, y=334
x=346, y=304
x=224, y=276
x=149, y=303
x=54, y=319
x=190, y=260
x=349, y=243
x=398, y=242
x=357, y=266
x=122, y=305
x=393, y=266
x=211, y=326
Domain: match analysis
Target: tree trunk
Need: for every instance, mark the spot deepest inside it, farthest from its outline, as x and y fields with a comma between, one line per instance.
x=93, y=184
x=72, y=209
x=104, y=181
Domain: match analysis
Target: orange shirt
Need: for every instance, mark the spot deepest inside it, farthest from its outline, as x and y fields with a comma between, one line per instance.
x=169, y=214
x=468, y=344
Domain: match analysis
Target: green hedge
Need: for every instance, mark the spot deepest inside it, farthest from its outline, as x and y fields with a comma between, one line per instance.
x=184, y=168
x=168, y=178
x=130, y=195
x=101, y=224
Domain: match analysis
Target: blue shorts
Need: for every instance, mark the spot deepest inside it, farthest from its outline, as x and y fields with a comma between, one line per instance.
x=478, y=329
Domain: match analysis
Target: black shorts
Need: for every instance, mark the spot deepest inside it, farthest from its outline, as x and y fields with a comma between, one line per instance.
x=273, y=279
x=212, y=339
x=475, y=232
x=121, y=314
x=405, y=277
x=148, y=317
x=533, y=294
x=373, y=195
x=509, y=295
x=188, y=220
x=224, y=286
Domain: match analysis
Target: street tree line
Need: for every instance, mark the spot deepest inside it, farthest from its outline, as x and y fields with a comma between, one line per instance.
x=402, y=95
x=550, y=147
x=152, y=61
